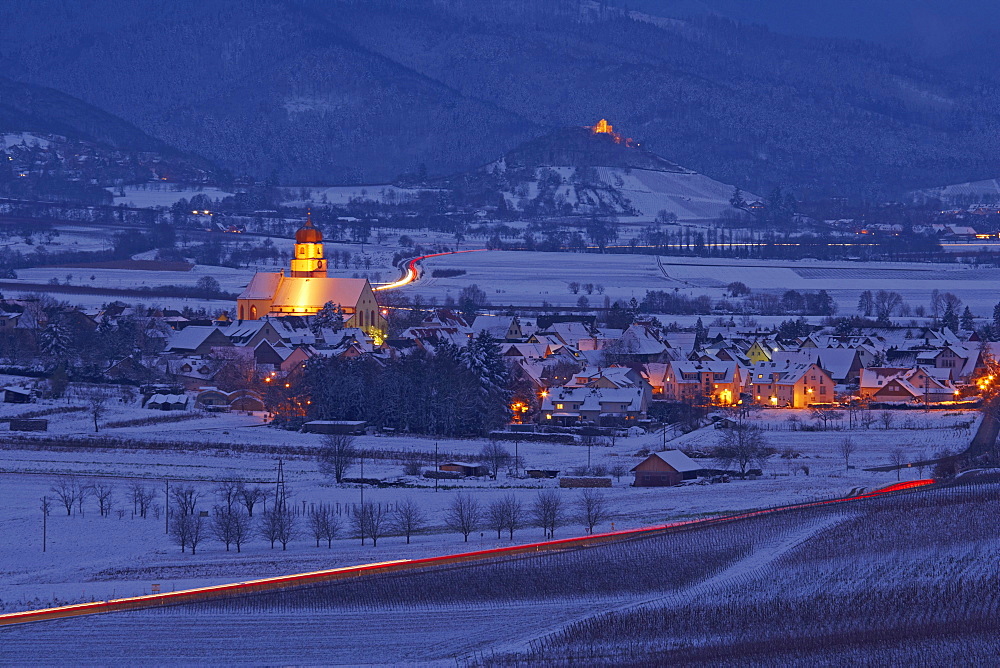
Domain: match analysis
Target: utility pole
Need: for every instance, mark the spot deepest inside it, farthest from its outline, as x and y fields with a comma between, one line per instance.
x=280, y=495
x=166, y=508
x=45, y=521
x=517, y=460
x=435, y=466
x=361, y=511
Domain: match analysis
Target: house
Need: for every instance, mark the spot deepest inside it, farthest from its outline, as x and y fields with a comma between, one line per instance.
x=665, y=469
x=792, y=385
x=465, y=468
x=906, y=385
x=719, y=383
x=603, y=406
x=502, y=328
x=197, y=340
x=307, y=288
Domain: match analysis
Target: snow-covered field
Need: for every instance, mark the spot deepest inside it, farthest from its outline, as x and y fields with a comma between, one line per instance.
x=156, y=194
x=899, y=580
x=528, y=278
x=89, y=556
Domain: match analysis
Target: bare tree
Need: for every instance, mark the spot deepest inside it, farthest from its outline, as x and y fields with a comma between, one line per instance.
x=66, y=490
x=495, y=456
x=337, y=455
x=97, y=404
x=180, y=530
x=618, y=470
x=898, y=458
x=825, y=416
x=104, y=493
x=867, y=418
x=241, y=527
x=142, y=498
x=250, y=496
x=847, y=448
x=278, y=526
x=185, y=498
x=228, y=492
x=408, y=518
x=323, y=524
x=222, y=525
x=593, y=508
x=741, y=444
x=198, y=530
x=886, y=418
x=496, y=516
x=372, y=520
x=464, y=515
x=547, y=512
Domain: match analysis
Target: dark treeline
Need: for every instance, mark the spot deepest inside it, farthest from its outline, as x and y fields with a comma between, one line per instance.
x=450, y=392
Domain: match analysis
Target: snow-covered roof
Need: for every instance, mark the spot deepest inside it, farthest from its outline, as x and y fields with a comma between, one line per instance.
x=678, y=461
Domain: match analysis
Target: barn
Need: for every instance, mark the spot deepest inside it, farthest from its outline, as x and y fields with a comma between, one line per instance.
x=665, y=469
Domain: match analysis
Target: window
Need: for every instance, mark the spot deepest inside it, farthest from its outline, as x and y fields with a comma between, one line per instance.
x=559, y=407
x=822, y=389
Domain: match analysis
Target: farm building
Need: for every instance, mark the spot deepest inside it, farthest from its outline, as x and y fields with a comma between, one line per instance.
x=16, y=395
x=355, y=427
x=465, y=468
x=665, y=469
x=167, y=402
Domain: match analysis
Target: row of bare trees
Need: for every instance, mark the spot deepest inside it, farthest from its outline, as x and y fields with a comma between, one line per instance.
x=548, y=511
x=233, y=526
x=71, y=493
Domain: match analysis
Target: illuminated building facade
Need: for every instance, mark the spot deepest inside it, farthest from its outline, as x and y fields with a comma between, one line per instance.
x=306, y=288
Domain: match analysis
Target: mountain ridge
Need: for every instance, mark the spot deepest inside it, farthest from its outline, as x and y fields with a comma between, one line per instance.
x=354, y=92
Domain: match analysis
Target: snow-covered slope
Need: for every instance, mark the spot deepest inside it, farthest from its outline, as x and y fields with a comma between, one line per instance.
x=987, y=190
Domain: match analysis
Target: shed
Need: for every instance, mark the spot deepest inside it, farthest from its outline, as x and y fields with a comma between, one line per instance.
x=465, y=468
x=16, y=395
x=665, y=469
x=22, y=424
x=167, y=402
x=353, y=427
x=584, y=481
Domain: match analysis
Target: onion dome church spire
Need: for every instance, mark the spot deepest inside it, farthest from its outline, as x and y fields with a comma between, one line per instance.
x=308, y=261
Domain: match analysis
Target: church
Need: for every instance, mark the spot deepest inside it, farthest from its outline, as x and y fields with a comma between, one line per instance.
x=306, y=288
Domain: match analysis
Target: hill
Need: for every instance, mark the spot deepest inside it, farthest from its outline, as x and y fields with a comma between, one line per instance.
x=55, y=146
x=594, y=170
x=344, y=91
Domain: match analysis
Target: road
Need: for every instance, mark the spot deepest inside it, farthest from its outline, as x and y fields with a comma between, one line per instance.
x=412, y=273
x=350, y=572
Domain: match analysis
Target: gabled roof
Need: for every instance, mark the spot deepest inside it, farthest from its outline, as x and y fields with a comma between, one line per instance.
x=677, y=460
x=294, y=291
x=191, y=338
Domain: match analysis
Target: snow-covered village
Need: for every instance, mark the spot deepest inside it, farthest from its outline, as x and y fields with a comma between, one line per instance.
x=499, y=334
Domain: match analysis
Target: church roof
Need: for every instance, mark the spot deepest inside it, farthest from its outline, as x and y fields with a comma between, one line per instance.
x=308, y=234
x=292, y=292
x=263, y=285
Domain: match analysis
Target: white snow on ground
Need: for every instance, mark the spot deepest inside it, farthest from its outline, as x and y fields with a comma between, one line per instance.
x=690, y=196
x=100, y=557
x=340, y=195
x=161, y=194
x=988, y=189
x=10, y=139
x=528, y=278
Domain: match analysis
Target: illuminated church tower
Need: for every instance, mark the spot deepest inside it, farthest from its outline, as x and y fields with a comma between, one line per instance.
x=308, y=261
x=305, y=289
